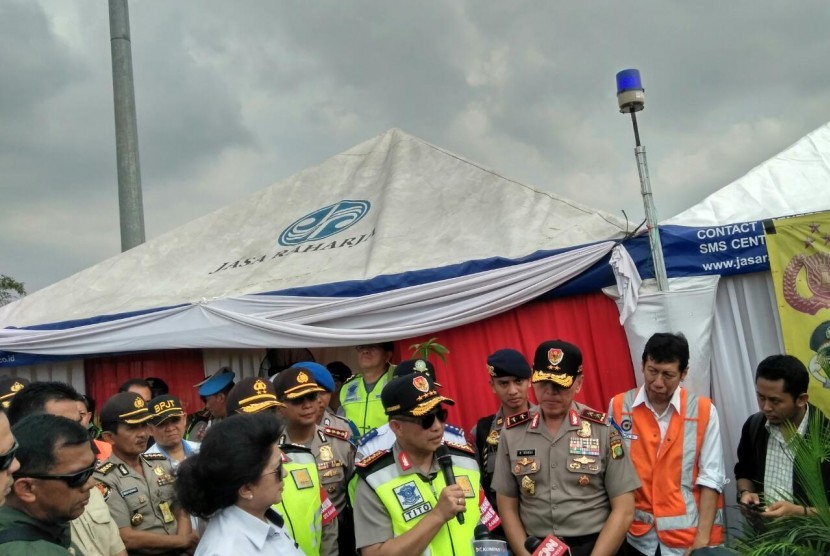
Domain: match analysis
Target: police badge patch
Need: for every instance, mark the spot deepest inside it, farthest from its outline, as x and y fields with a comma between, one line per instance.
x=408, y=495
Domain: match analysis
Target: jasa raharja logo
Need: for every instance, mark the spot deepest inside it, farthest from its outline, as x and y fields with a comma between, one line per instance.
x=324, y=222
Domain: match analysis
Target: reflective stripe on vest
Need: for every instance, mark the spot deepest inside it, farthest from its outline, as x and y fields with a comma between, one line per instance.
x=408, y=498
x=676, y=525
x=301, y=507
x=364, y=409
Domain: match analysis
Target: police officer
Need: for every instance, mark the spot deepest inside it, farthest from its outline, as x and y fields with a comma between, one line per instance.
x=333, y=455
x=510, y=381
x=213, y=391
x=562, y=470
x=360, y=395
x=403, y=503
x=382, y=437
x=325, y=380
x=137, y=487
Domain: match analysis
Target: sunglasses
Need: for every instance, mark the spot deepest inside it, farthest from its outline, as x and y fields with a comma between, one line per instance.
x=73, y=480
x=308, y=397
x=427, y=420
x=277, y=472
x=7, y=458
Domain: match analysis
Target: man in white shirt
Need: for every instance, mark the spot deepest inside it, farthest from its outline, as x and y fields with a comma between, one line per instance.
x=674, y=442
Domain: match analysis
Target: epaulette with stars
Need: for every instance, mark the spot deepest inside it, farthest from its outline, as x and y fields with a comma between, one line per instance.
x=336, y=433
x=453, y=429
x=517, y=419
x=351, y=378
x=105, y=467
x=594, y=416
x=461, y=447
x=154, y=456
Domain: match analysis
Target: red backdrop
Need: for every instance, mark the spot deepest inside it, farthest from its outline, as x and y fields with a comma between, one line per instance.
x=179, y=368
x=589, y=321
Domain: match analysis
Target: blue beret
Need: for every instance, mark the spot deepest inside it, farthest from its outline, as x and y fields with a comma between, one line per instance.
x=322, y=376
x=216, y=382
x=508, y=362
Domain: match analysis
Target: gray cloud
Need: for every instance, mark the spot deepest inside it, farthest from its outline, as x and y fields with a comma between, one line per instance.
x=234, y=96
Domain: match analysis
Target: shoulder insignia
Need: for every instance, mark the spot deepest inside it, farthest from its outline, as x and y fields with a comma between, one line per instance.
x=154, y=456
x=295, y=448
x=453, y=429
x=351, y=378
x=336, y=433
x=367, y=437
x=104, y=489
x=516, y=419
x=321, y=436
x=372, y=458
x=105, y=467
x=595, y=416
x=463, y=447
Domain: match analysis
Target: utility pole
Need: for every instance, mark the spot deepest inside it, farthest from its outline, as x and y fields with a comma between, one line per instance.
x=130, y=203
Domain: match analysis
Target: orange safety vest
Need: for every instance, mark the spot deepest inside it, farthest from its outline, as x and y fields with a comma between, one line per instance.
x=669, y=471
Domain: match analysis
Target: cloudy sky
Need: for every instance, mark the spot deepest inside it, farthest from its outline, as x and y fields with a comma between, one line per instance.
x=234, y=96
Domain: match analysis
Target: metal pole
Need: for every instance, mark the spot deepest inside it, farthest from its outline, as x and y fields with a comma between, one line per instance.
x=130, y=204
x=651, y=212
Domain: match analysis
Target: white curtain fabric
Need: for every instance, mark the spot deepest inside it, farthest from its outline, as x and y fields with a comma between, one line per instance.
x=746, y=330
x=280, y=321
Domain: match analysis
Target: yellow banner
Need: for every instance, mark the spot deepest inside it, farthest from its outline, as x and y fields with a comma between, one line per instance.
x=799, y=258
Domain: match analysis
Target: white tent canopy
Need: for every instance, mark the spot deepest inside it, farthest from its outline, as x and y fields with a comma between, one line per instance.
x=392, y=238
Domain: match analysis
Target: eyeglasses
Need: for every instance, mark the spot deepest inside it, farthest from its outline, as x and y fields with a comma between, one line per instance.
x=427, y=420
x=312, y=397
x=7, y=458
x=277, y=472
x=73, y=480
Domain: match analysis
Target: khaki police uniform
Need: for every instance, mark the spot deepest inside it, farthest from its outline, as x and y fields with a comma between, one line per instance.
x=563, y=481
x=95, y=531
x=144, y=502
x=335, y=421
x=335, y=461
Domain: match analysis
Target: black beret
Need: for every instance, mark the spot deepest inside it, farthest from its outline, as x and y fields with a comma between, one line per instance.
x=506, y=363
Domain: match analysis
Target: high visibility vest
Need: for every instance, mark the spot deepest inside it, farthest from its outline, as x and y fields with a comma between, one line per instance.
x=669, y=498
x=362, y=408
x=407, y=498
x=302, y=500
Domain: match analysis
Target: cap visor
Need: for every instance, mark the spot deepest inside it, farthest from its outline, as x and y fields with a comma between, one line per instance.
x=257, y=407
x=426, y=406
x=561, y=379
x=165, y=415
x=135, y=420
x=300, y=391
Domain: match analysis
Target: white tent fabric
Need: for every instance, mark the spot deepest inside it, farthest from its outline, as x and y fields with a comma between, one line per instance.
x=393, y=238
x=795, y=181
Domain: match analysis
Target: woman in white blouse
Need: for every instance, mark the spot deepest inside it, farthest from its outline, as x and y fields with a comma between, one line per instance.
x=233, y=482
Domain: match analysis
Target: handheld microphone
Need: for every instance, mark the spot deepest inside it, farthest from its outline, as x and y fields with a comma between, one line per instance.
x=485, y=545
x=549, y=546
x=445, y=462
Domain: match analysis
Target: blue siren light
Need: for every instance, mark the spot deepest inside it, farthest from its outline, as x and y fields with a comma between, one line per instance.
x=629, y=80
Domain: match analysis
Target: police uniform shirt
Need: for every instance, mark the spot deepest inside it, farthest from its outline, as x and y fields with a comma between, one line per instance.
x=145, y=503
x=563, y=482
x=331, y=419
x=95, y=531
x=335, y=461
x=382, y=438
x=372, y=522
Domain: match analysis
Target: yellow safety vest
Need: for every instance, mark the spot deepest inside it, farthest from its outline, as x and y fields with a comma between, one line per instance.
x=362, y=408
x=301, y=506
x=407, y=498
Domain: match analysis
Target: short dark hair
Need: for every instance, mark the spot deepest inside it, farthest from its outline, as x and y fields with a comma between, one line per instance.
x=33, y=398
x=40, y=436
x=210, y=480
x=787, y=368
x=664, y=347
x=135, y=382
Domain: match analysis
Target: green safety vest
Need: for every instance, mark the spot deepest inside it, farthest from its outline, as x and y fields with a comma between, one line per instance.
x=301, y=506
x=362, y=408
x=407, y=498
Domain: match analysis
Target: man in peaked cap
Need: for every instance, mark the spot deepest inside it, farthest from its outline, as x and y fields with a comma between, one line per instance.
x=213, y=391
x=167, y=427
x=562, y=469
x=325, y=380
x=509, y=375
x=9, y=386
x=138, y=487
x=382, y=438
x=333, y=457
x=403, y=502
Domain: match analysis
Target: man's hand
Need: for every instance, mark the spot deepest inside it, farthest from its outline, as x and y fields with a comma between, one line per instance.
x=782, y=508
x=451, y=502
x=189, y=542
